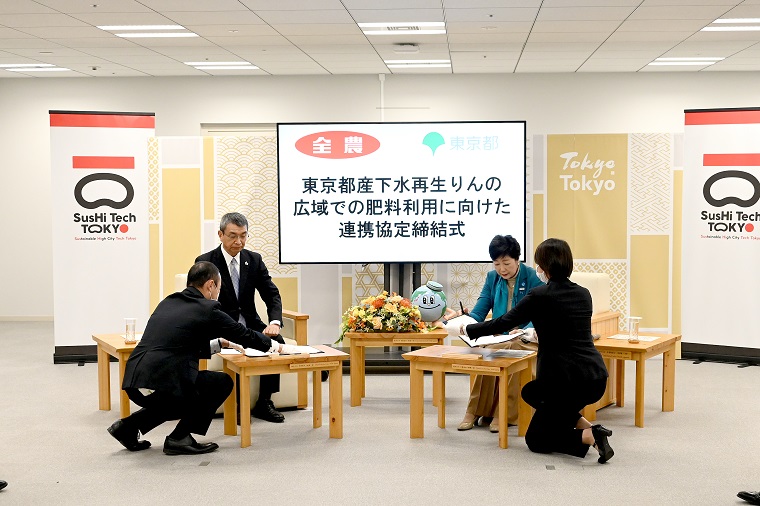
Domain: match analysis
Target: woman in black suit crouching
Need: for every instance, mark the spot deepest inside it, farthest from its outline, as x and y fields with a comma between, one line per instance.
x=570, y=372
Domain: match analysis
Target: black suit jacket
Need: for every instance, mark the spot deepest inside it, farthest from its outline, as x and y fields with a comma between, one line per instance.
x=176, y=336
x=561, y=313
x=253, y=276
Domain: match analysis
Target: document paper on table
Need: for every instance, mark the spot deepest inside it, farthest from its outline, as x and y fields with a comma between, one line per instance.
x=486, y=340
x=624, y=337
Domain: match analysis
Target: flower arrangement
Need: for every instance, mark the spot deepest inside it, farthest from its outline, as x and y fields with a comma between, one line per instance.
x=382, y=313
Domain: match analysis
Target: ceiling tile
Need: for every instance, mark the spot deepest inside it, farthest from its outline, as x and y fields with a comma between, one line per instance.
x=295, y=5
x=194, y=5
x=86, y=6
x=397, y=15
x=318, y=29
x=706, y=12
x=392, y=4
x=488, y=28
x=305, y=16
x=216, y=18
x=493, y=15
x=585, y=13
x=233, y=31
x=38, y=20
x=123, y=18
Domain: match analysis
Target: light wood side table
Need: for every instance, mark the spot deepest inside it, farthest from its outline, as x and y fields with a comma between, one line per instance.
x=359, y=341
x=620, y=350
x=330, y=360
x=112, y=345
x=443, y=359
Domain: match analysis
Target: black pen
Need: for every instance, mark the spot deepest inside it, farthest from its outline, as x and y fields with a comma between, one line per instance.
x=461, y=307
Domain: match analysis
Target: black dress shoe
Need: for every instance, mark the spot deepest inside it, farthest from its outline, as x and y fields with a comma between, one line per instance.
x=187, y=446
x=265, y=411
x=750, y=497
x=601, y=433
x=128, y=437
x=3, y=484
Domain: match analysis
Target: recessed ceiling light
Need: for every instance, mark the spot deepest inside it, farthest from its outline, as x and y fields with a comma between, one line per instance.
x=697, y=58
x=423, y=66
x=738, y=20
x=425, y=24
x=141, y=35
x=695, y=63
x=419, y=28
x=228, y=67
x=116, y=28
x=196, y=63
x=39, y=69
x=411, y=62
x=730, y=29
x=25, y=65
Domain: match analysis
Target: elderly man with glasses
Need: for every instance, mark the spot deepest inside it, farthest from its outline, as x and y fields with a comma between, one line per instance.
x=243, y=273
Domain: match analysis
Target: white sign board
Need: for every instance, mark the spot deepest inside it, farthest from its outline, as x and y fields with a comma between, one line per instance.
x=100, y=223
x=399, y=192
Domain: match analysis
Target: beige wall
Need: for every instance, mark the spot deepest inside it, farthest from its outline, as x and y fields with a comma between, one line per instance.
x=567, y=103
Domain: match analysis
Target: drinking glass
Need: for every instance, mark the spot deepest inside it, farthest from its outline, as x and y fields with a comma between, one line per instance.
x=633, y=329
x=129, y=333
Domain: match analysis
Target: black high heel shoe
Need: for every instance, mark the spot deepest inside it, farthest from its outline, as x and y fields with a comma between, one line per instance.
x=601, y=433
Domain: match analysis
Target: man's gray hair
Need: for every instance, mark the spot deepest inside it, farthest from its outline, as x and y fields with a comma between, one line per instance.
x=234, y=218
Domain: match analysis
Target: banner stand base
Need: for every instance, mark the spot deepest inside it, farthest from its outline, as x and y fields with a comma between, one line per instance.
x=715, y=353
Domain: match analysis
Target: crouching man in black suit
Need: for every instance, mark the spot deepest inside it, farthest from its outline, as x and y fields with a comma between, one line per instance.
x=162, y=373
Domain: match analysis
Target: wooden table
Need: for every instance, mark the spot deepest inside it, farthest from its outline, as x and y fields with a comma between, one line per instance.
x=443, y=359
x=112, y=345
x=330, y=360
x=619, y=351
x=361, y=340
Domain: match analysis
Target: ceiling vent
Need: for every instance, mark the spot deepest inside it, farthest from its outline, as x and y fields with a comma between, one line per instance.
x=406, y=48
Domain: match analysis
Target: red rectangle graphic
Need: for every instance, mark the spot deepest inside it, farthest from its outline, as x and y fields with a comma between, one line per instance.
x=723, y=117
x=103, y=162
x=102, y=120
x=731, y=160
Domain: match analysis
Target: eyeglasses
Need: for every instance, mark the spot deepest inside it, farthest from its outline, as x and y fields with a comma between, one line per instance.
x=235, y=237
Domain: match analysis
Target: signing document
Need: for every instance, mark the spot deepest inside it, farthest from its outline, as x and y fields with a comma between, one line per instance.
x=293, y=350
x=453, y=326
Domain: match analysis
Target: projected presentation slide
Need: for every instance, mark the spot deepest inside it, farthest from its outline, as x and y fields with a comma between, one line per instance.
x=399, y=192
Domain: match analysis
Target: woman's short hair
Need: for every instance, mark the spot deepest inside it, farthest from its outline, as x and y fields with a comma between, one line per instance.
x=504, y=245
x=201, y=272
x=555, y=258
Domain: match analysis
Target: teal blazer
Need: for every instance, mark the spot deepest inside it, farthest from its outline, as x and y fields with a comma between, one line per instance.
x=495, y=293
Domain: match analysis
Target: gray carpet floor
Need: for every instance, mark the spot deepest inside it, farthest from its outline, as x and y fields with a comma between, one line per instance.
x=55, y=448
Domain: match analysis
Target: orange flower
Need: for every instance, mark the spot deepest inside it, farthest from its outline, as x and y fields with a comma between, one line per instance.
x=405, y=303
x=378, y=303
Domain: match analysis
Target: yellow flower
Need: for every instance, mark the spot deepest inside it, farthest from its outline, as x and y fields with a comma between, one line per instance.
x=390, y=307
x=377, y=323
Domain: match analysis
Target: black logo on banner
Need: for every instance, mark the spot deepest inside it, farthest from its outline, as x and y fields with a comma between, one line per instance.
x=731, y=200
x=105, y=202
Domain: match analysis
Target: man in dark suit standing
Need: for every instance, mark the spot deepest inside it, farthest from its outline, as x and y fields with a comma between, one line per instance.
x=162, y=373
x=243, y=273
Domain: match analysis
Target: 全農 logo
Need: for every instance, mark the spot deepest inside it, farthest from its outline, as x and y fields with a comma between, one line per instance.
x=337, y=144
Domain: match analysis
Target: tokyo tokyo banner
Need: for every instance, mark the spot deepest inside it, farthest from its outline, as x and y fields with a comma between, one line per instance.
x=100, y=223
x=721, y=240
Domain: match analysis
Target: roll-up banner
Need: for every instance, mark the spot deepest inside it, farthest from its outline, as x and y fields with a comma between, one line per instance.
x=100, y=225
x=721, y=231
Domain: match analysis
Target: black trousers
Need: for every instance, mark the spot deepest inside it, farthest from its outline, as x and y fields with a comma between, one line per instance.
x=558, y=407
x=194, y=412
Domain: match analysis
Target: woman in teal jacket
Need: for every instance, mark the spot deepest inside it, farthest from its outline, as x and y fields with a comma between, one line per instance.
x=505, y=286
